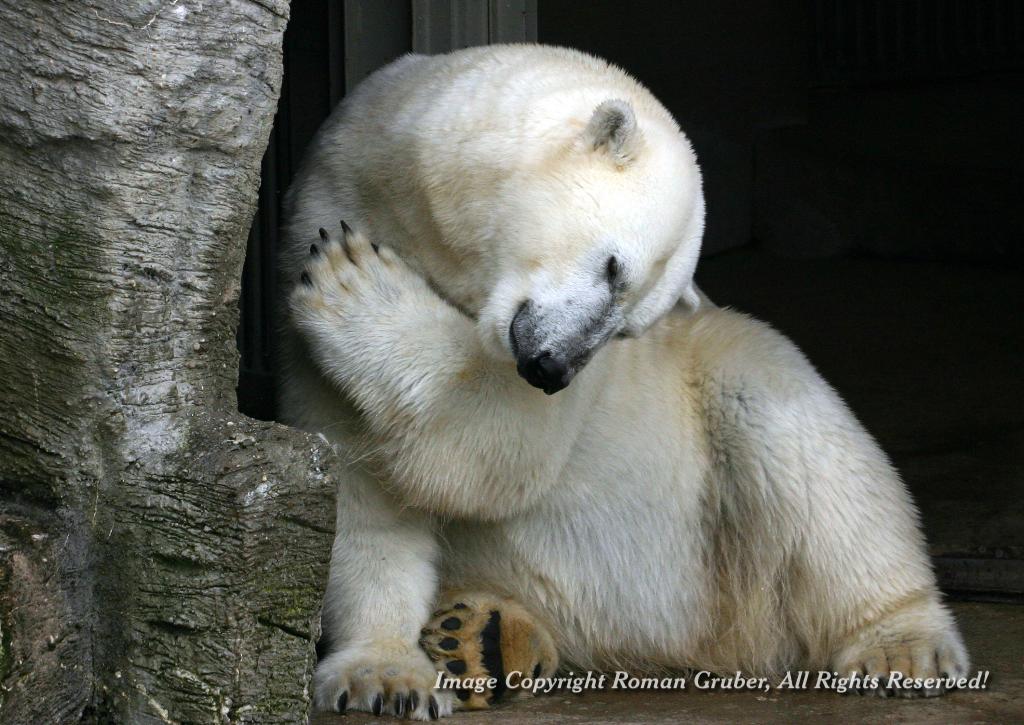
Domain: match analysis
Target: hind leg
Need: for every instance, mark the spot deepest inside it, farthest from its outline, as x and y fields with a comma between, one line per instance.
x=916, y=648
x=478, y=635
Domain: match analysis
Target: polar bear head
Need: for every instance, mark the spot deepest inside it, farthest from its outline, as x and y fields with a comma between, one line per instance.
x=598, y=238
x=556, y=229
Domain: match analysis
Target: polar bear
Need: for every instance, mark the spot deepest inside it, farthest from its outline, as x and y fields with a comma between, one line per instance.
x=560, y=452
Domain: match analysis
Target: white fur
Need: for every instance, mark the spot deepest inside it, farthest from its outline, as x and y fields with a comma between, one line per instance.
x=697, y=496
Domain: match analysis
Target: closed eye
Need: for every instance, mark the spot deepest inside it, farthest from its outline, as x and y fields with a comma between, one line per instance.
x=612, y=271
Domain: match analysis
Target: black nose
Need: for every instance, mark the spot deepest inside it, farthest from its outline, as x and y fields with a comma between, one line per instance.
x=546, y=372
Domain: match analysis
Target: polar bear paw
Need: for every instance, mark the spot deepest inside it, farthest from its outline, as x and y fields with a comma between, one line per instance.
x=913, y=652
x=478, y=637
x=355, y=303
x=350, y=275
x=385, y=678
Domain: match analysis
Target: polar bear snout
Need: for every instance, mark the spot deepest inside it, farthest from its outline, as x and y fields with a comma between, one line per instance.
x=545, y=371
x=538, y=366
x=552, y=345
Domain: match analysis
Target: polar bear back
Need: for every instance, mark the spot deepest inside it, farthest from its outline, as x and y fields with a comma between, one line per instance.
x=503, y=100
x=423, y=140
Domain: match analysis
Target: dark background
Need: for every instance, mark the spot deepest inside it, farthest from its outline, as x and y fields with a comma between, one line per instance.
x=864, y=174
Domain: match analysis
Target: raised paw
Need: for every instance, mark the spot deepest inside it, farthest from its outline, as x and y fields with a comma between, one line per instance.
x=913, y=652
x=349, y=285
x=356, y=305
x=477, y=637
x=348, y=268
x=386, y=679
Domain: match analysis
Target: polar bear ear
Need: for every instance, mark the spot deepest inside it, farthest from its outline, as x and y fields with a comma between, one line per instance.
x=612, y=127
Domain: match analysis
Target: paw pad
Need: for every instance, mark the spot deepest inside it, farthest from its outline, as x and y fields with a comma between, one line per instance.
x=487, y=637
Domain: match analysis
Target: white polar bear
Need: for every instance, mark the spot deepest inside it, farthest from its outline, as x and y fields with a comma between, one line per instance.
x=696, y=496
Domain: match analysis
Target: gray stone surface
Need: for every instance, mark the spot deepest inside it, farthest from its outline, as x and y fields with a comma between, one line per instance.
x=162, y=558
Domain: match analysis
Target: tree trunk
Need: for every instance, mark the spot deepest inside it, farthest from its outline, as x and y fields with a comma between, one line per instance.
x=161, y=557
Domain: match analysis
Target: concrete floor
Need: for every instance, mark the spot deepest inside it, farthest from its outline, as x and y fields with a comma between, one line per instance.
x=995, y=639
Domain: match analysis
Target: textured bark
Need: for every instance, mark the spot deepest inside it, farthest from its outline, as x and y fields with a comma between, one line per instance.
x=161, y=557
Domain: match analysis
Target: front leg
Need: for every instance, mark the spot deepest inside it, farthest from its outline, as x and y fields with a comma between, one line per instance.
x=382, y=583
x=451, y=430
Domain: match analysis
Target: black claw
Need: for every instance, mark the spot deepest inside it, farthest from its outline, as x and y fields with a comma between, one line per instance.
x=323, y=234
x=376, y=247
x=414, y=700
x=433, y=709
x=342, y=702
x=400, y=705
x=345, y=227
x=536, y=671
x=378, y=704
x=306, y=280
x=314, y=250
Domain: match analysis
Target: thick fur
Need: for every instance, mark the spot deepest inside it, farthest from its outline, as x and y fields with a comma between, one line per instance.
x=697, y=496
